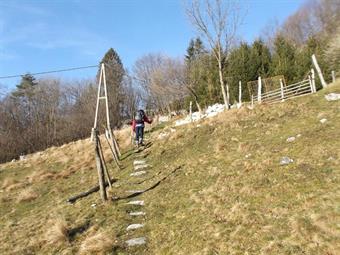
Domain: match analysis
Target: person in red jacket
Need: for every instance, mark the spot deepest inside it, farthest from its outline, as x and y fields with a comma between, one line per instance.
x=138, y=126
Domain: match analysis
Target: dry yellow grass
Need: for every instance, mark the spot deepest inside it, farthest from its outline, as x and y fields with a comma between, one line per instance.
x=10, y=184
x=58, y=233
x=27, y=195
x=99, y=243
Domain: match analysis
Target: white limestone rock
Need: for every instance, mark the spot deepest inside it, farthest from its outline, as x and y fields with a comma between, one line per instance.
x=134, y=226
x=136, y=241
x=136, y=202
x=139, y=173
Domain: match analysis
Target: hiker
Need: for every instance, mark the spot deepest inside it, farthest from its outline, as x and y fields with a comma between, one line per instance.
x=138, y=126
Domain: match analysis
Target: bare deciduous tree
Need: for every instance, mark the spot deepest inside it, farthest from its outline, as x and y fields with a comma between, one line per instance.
x=217, y=21
x=160, y=78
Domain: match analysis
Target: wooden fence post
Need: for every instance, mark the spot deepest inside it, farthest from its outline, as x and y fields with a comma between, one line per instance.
x=102, y=158
x=310, y=83
x=259, y=90
x=282, y=92
x=313, y=80
x=99, y=165
x=252, y=101
x=240, y=93
x=318, y=69
x=333, y=76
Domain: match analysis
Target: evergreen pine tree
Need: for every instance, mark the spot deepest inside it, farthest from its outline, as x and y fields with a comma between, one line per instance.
x=26, y=87
x=284, y=59
x=114, y=77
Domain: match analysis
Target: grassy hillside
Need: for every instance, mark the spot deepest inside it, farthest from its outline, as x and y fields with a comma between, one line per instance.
x=223, y=190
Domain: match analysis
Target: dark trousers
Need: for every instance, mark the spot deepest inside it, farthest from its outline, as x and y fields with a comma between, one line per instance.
x=139, y=134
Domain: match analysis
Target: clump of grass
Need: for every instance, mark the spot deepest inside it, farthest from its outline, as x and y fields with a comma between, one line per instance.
x=38, y=176
x=27, y=195
x=99, y=243
x=8, y=182
x=58, y=233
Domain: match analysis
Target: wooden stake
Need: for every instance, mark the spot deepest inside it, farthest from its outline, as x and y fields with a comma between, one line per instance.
x=113, y=152
x=101, y=178
x=101, y=154
x=240, y=93
x=259, y=90
x=313, y=80
x=282, y=91
x=318, y=69
x=310, y=84
x=116, y=144
x=333, y=76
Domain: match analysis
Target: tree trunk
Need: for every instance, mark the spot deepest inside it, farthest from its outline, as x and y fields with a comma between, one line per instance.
x=198, y=106
x=224, y=93
x=196, y=99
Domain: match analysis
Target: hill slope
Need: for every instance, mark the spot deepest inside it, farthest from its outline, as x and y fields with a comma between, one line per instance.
x=223, y=190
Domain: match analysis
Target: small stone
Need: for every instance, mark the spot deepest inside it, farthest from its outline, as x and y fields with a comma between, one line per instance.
x=290, y=139
x=248, y=155
x=93, y=205
x=136, y=241
x=330, y=158
x=138, y=173
x=134, y=226
x=136, y=202
x=332, y=97
x=137, y=167
x=135, y=191
x=22, y=157
x=323, y=121
x=138, y=162
x=298, y=135
x=137, y=213
x=286, y=161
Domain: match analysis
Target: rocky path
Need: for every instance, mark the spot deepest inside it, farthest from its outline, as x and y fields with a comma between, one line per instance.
x=136, y=206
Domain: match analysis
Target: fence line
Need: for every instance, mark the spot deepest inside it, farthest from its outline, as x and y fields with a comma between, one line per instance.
x=301, y=88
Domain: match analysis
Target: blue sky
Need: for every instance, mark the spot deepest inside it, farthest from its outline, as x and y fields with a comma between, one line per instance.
x=41, y=35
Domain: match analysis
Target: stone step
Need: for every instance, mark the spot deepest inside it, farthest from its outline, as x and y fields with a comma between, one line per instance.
x=138, y=173
x=138, y=162
x=136, y=202
x=136, y=241
x=134, y=226
x=136, y=213
x=135, y=191
x=137, y=167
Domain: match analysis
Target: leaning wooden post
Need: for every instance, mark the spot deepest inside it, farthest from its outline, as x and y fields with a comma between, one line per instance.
x=259, y=90
x=282, y=91
x=116, y=160
x=99, y=165
x=240, y=93
x=190, y=111
x=313, y=80
x=333, y=76
x=252, y=101
x=102, y=158
x=116, y=144
x=318, y=69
